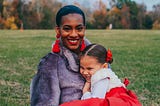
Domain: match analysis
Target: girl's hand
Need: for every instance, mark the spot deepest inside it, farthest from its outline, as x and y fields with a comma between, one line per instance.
x=87, y=87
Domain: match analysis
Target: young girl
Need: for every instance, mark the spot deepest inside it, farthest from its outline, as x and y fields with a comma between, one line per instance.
x=94, y=66
x=102, y=87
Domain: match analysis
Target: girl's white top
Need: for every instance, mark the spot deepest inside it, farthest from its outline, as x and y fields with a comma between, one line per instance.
x=101, y=82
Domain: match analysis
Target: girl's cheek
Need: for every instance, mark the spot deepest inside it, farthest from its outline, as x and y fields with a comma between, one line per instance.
x=81, y=71
x=91, y=73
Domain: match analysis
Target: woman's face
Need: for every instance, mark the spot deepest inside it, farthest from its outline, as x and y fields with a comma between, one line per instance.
x=72, y=31
x=89, y=65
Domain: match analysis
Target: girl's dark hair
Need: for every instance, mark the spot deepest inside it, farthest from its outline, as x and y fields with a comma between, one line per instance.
x=69, y=9
x=97, y=51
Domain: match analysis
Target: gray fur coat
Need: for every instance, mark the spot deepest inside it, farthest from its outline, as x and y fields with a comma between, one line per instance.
x=58, y=79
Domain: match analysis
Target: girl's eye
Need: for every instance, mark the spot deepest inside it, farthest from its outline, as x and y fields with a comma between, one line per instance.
x=90, y=69
x=81, y=67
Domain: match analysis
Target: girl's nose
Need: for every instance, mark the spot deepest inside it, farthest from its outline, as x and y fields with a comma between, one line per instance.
x=85, y=72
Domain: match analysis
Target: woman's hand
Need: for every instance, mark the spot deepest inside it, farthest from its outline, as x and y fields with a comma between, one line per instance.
x=87, y=87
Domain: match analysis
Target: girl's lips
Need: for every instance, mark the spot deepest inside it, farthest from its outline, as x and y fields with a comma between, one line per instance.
x=88, y=77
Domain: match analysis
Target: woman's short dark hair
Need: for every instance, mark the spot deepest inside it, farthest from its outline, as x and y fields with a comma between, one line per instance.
x=68, y=9
x=97, y=51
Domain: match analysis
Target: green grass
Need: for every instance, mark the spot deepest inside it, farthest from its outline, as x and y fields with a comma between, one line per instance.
x=136, y=55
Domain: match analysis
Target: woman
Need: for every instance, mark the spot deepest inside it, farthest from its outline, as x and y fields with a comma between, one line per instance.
x=58, y=79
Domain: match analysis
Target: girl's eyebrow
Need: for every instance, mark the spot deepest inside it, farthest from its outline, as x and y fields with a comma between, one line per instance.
x=89, y=68
x=81, y=66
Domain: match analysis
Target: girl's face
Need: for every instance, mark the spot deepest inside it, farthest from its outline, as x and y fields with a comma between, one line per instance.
x=89, y=65
x=72, y=31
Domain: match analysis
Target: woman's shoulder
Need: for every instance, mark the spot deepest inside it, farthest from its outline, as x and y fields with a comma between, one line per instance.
x=50, y=57
x=48, y=62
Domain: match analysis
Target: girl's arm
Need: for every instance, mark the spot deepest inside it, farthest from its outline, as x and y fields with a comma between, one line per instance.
x=87, y=87
x=86, y=91
x=98, y=90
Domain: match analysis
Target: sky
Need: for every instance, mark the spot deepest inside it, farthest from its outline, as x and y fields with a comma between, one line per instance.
x=148, y=3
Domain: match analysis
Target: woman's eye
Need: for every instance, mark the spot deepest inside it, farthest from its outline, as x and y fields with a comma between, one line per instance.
x=66, y=29
x=80, y=28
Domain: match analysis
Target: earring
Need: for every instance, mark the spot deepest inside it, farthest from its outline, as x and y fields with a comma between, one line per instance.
x=56, y=47
x=83, y=45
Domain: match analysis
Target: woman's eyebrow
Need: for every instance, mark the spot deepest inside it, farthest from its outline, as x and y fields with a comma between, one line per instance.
x=66, y=26
x=81, y=25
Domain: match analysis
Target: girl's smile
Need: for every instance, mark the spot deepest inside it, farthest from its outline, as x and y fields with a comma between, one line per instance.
x=89, y=65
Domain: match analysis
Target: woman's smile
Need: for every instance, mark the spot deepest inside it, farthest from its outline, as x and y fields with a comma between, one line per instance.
x=73, y=41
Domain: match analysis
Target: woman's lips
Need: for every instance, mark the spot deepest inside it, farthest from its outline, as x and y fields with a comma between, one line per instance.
x=73, y=41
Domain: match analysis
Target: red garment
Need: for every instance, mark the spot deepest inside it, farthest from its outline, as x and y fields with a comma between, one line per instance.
x=118, y=96
x=121, y=97
x=86, y=102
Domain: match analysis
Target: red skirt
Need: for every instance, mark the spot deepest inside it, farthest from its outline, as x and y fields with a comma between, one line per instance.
x=118, y=96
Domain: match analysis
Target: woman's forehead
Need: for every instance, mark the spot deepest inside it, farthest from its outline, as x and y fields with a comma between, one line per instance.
x=70, y=19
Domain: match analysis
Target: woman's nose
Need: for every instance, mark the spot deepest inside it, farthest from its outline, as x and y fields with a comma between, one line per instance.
x=74, y=33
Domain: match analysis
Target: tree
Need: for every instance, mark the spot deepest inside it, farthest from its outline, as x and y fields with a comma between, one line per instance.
x=114, y=17
x=100, y=16
x=147, y=22
x=125, y=17
x=156, y=24
x=40, y=14
x=9, y=14
x=30, y=17
x=1, y=17
x=133, y=14
x=133, y=11
x=1, y=7
x=46, y=22
x=156, y=12
x=141, y=15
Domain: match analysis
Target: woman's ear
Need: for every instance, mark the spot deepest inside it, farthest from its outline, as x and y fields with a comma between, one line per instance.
x=57, y=29
x=105, y=65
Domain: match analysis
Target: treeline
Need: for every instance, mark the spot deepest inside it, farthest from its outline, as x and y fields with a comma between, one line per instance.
x=40, y=14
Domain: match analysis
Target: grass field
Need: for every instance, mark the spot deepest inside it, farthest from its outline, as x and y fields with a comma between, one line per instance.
x=136, y=55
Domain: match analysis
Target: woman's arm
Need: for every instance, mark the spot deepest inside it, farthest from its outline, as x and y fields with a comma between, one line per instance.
x=45, y=85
